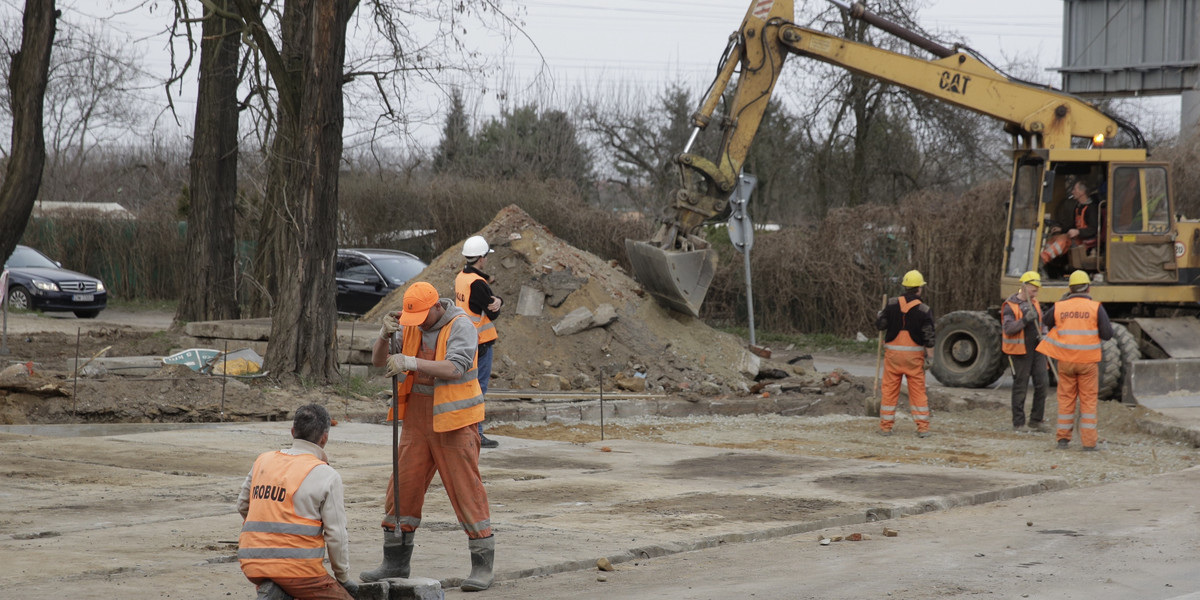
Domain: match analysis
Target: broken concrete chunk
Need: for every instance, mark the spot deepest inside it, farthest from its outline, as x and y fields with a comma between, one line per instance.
x=604, y=314
x=890, y=532
x=632, y=383
x=530, y=302
x=604, y=564
x=749, y=365
x=418, y=588
x=575, y=321
x=559, y=284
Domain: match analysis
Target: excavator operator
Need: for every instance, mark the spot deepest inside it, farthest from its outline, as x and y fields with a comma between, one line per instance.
x=1085, y=223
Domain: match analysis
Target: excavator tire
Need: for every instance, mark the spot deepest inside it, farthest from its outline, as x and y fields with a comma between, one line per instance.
x=967, y=352
x=1116, y=354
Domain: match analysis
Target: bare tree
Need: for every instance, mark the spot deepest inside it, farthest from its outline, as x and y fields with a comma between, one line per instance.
x=212, y=190
x=27, y=154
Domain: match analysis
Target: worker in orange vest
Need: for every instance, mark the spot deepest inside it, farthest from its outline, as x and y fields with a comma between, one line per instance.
x=908, y=352
x=1077, y=327
x=432, y=346
x=1021, y=326
x=473, y=293
x=292, y=511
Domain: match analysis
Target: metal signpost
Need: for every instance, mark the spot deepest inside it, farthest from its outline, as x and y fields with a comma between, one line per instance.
x=741, y=234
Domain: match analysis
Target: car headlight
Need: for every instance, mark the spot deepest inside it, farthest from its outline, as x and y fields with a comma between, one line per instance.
x=45, y=286
x=99, y=286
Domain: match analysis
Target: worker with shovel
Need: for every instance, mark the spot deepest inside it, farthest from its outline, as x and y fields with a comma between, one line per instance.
x=908, y=349
x=440, y=402
x=1021, y=322
x=1078, y=325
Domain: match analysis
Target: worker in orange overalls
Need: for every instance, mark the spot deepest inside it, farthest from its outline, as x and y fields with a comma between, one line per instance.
x=432, y=345
x=1078, y=325
x=908, y=352
x=292, y=511
x=1021, y=326
x=1085, y=226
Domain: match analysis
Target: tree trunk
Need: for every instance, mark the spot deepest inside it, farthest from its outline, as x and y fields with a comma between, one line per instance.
x=299, y=240
x=211, y=256
x=27, y=89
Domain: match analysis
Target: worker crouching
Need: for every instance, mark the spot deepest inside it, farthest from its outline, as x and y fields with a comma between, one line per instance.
x=908, y=350
x=432, y=346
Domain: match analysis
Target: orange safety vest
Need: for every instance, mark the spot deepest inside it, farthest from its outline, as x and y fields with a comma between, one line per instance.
x=903, y=341
x=456, y=402
x=1015, y=343
x=275, y=541
x=462, y=297
x=1075, y=336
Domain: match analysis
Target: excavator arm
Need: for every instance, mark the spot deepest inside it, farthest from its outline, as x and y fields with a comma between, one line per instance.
x=676, y=265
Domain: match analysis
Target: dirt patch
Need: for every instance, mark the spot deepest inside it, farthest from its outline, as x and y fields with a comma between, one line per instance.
x=647, y=347
x=731, y=507
x=736, y=466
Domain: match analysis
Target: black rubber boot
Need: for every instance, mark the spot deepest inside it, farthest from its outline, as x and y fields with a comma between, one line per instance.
x=483, y=553
x=397, y=551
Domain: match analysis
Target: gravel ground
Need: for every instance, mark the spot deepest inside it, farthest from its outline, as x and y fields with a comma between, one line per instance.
x=978, y=438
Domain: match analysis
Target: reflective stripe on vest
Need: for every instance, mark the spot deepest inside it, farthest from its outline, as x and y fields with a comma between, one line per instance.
x=462, y=297
x=1015, y=343
x=275, y=541
x=1075, y=336
x=456, y=402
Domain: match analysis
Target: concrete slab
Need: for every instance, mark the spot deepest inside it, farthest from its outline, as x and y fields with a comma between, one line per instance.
x=555, y=506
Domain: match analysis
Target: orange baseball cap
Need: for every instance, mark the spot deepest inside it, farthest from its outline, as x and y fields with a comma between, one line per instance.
x=418, y=299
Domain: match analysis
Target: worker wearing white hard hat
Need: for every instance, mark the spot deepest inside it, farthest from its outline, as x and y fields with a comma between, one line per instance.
x=1021, y=327
x=908, y=349
x=473, y=293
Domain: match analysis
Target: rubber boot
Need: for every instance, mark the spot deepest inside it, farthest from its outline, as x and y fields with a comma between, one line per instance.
x=397, y=551
x=483, y=552
x=268, y=590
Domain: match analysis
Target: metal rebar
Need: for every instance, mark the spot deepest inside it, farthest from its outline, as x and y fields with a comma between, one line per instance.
x=75, y=389
x=602, y=405
x=224, y=378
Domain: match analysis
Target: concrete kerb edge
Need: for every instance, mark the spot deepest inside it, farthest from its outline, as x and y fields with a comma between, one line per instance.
x=871, y=515
x=1159, y=427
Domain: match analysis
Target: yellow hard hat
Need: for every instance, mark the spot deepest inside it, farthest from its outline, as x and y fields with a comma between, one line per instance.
x=1032, y=278
x=912, y=279
x=1079, y=278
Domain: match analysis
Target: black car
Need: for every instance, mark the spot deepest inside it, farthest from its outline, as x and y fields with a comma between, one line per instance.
x=366, y=275
x=37, y=283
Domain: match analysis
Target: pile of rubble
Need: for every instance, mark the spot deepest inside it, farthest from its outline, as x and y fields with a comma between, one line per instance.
x=572, y=321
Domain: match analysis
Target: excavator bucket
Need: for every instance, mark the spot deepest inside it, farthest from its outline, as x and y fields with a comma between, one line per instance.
x=678, y=280
x=1172, y=381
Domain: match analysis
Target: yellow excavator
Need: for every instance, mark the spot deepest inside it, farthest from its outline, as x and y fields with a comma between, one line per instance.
x=1145, y=266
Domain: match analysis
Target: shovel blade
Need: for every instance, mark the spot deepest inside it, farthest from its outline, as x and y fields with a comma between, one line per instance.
x=677, y=280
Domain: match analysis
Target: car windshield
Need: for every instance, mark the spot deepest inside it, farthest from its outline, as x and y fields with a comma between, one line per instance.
x=28, y=258
x=398, y=269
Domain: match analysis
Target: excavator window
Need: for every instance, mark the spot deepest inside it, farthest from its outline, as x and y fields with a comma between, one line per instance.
x=1139, y=200
x=1024, y=218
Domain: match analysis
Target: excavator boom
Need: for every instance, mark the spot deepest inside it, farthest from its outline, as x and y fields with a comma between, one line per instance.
x=676, y=265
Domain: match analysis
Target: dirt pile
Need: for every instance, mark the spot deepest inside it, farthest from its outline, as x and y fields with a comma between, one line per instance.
x=646, y=347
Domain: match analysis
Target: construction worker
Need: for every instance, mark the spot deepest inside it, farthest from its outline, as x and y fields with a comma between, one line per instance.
x=1021, y=324
x=1085, y=225
x=292, y=510
x=439, y=400
x=473, y=294
x=908, y=351
x=1077, y=326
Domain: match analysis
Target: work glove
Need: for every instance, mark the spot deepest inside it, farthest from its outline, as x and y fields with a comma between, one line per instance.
x=400, y=363
x=351, y=587
x=390, y=325
x=1028, y=316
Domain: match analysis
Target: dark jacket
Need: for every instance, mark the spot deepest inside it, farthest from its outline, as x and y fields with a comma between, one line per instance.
x=918, y=322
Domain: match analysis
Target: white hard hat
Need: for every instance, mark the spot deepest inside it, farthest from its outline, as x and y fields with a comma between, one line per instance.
x=475, y=246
